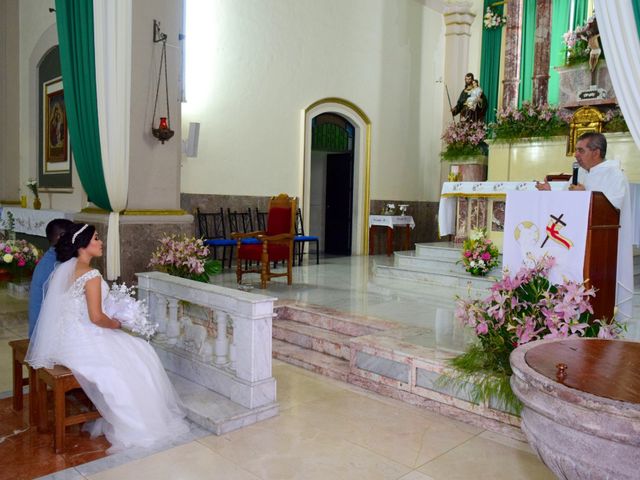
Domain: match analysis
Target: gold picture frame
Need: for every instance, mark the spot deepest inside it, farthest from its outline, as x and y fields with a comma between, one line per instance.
x=585, y=120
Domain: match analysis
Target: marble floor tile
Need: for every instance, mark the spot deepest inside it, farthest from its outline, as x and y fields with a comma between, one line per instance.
x=484, y=459
x=283, y=448
x=192, y=461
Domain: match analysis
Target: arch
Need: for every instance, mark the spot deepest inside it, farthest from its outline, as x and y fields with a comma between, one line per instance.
x=362, y=164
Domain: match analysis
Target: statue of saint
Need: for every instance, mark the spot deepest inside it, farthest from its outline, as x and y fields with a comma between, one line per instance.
x=472, y=102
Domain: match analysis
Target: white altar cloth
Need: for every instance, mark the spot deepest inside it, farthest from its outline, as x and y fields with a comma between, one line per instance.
x=452, y=190
x=30, y=221
x=391, y=221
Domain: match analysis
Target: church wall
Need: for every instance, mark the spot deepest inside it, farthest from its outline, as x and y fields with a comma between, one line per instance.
x=9, y=106
x=266, y=61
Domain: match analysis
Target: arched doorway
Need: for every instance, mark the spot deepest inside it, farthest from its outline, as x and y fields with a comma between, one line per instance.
x=354, y=161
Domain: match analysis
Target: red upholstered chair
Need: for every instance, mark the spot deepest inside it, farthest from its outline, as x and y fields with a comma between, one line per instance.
x=275, y=243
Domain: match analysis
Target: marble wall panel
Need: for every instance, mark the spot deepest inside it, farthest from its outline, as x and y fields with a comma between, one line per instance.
x=382, y=366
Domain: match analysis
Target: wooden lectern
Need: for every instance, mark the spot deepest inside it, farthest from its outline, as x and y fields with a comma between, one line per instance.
x=601, y=254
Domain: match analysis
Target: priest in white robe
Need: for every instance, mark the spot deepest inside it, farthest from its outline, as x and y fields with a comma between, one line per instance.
x=597, y=174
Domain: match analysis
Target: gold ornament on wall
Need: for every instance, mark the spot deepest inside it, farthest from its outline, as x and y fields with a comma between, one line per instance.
x=585, y=120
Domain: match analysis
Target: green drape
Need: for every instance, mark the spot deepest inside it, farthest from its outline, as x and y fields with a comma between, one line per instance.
x=635, y=4
x=559, y=26
x=581, y=13
x=77, y=58
x=490, y=64
x=528, y=50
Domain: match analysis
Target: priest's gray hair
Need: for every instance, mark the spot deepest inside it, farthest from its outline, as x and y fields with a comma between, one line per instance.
x=595, y=141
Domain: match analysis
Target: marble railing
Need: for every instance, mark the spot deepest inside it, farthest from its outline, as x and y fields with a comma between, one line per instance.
x=230, y=353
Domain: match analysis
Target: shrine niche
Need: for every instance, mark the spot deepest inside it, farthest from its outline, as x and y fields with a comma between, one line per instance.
x=585, y=120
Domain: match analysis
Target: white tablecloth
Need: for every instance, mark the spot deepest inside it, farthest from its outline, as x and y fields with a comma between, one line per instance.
x=391, y=221
x=32, y=222
x=452, y=190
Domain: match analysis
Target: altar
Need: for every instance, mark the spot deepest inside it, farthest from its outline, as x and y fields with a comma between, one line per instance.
x=465, y=206
x=29, y=221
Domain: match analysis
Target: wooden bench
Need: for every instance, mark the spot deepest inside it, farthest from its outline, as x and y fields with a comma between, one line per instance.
x=60, y=380
x=19, y=352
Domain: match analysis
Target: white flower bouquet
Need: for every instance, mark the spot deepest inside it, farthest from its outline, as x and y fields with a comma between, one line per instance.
x=493, y=20
x=133, y=314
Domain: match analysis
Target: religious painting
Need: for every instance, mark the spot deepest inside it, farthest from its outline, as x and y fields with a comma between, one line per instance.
x=57, y=158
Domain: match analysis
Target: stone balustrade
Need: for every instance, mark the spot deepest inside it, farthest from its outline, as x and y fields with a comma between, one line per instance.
x=230, y=352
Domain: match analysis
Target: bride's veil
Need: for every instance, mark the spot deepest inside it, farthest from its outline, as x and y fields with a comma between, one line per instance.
x=45, y=343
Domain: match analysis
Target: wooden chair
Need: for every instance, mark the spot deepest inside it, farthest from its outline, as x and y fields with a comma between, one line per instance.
x=275, y=242
x=211, y=230
x=300, y=239
x=19, y=352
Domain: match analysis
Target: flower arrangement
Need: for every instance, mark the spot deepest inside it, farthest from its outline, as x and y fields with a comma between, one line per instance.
x=530, y=121
x=493, y=19
x=184, y=257
x=133, y=314
x=614, y=121
x=479, y=254
x=464, y=138
x=577, y=42
x=18, y=256
x=520, y=309
x=33, y=186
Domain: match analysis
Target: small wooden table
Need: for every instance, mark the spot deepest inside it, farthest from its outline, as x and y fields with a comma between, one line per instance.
x=388, y=223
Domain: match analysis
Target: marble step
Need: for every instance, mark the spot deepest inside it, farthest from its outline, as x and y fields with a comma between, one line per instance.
x=412, y=261
x=216, y=412
x=330, y=319
x=441, y=251
x=313, y=361
x=453, y=280
x=314, y=338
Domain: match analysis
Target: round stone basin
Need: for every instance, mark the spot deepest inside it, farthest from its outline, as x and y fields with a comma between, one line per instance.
x=583, y=420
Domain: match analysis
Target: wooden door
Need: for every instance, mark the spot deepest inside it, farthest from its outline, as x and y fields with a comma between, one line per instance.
x=339, y=204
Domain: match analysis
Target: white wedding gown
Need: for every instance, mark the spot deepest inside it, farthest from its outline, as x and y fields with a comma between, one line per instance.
x=120, y=373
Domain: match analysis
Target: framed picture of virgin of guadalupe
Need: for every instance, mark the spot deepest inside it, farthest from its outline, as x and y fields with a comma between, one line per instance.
x=55, y=148
x=56, y=137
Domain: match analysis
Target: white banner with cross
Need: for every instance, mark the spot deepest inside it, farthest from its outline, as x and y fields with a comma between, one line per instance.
x=551, y=223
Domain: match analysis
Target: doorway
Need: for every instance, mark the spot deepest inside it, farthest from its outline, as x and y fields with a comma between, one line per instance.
x=335, y=187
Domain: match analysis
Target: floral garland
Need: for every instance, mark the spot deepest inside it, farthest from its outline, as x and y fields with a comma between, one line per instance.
x=479, y=254
x=493, y=20
x=530, y=121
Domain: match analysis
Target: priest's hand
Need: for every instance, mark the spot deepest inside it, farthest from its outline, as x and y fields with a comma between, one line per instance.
x=543, y=185
x=577, y=188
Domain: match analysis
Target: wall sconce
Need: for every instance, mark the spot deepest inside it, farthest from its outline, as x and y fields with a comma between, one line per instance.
x=163, y=132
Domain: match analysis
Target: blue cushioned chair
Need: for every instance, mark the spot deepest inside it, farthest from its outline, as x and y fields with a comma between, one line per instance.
x=300, y=239
x=211, y=230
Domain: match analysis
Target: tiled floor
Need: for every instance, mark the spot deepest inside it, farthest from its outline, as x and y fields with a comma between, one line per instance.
x=326, y=429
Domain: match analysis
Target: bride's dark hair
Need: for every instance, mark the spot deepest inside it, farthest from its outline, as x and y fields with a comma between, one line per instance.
x=78, y=236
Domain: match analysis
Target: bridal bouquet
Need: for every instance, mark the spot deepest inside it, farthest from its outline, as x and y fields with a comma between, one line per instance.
x=133, y=314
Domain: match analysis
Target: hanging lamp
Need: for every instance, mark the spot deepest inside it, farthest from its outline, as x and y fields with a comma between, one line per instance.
x=163, y=132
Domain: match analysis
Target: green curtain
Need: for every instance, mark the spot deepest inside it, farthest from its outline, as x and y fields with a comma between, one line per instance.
x=528, y=50
x=635, y=4
x=581, y=13
x=77, y=58
x=490, y=63
x=559, y=25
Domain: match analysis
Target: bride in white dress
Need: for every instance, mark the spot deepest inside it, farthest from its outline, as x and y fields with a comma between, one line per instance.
x=120, y=373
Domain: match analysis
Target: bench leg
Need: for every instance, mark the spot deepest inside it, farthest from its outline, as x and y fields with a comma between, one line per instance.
x=41, y=406
x=59, y=415
x=33, y=397
x=17, y=383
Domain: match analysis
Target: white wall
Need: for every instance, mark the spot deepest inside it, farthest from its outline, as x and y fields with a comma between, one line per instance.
x=265, y=61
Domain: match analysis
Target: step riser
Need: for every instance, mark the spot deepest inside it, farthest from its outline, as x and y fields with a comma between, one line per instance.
x=318, y=344
x=441, y=279
x=325, y=321
x=445, y=254
x=328, y=372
